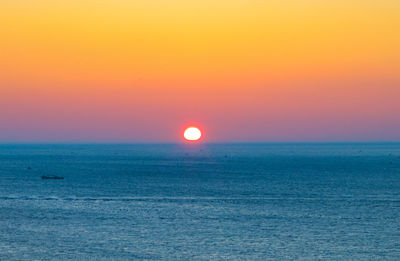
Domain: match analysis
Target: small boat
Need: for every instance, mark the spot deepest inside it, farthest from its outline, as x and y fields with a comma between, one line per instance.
x=52, y=177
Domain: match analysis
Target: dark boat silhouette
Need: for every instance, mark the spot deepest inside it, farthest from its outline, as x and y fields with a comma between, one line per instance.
x=52, y=177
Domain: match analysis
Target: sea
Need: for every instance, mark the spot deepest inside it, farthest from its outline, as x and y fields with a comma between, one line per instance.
x=299, y=201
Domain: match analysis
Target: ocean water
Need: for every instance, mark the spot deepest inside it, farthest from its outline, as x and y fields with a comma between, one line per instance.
x=200, y=202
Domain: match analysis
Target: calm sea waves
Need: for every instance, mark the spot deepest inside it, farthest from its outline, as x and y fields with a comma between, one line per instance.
x=201, y=202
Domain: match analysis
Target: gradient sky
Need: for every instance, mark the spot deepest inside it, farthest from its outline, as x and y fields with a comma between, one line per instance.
x=243, y=70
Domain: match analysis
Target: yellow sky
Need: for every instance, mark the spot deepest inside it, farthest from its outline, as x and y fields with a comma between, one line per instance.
x=169, y=38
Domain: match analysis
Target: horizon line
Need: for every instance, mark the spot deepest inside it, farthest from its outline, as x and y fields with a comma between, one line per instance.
x=199, y=143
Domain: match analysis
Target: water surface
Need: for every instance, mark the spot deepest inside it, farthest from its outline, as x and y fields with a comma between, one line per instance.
x=214, y=201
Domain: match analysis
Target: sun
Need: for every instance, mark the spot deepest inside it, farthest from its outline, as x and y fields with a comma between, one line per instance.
x=192, y=134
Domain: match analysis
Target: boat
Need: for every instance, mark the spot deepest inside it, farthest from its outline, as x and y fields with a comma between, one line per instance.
x=52, y=177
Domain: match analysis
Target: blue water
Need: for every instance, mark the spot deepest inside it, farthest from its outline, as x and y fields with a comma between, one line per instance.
x=201, y=202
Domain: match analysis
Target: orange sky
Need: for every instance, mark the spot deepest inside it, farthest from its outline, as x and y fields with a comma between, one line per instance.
x=245, y=70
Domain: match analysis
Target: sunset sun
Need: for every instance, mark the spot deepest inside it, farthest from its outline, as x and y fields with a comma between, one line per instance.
x=192, y=134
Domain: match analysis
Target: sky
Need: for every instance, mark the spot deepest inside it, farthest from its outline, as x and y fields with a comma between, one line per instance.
x=241, y=70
